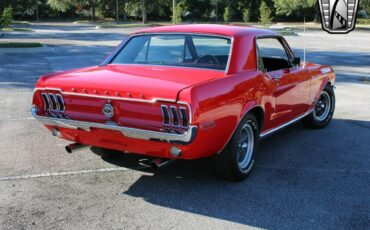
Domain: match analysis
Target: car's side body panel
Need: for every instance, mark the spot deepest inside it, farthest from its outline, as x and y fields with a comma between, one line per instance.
x=219, y=105
x=216, y=101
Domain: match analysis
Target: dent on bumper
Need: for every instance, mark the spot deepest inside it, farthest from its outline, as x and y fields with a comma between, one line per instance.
x=176, y=138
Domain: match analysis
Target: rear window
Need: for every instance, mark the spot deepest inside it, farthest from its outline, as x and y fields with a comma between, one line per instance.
x=198, y=51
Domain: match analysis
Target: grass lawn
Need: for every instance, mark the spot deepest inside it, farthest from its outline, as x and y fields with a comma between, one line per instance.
x=18, y=30
x=26, y=23
x=363, y=21
x=20, y=45
x=287, y=33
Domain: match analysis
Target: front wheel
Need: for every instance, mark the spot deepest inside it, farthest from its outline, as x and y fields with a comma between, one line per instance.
x=236, y=161
x=323, y=110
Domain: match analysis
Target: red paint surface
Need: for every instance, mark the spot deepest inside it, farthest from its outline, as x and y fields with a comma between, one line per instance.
x=215, y=97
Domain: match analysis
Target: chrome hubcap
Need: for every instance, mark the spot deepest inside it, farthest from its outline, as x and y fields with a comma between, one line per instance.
x=322, y=107
x=245, y=146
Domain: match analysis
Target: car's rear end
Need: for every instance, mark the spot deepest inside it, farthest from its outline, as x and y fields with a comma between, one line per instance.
x=118, y=118
x=133, y=126
x=139, y=100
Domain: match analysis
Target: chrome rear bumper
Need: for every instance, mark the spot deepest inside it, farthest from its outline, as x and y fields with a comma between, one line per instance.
x=183, y=138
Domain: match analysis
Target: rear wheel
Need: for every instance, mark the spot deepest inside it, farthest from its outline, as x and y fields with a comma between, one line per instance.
x=236, y=161
x=323, y=110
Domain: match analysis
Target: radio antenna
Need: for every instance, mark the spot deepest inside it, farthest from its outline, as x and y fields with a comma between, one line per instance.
x=304, y=41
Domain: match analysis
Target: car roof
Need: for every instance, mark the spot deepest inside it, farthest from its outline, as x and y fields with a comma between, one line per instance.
x=213, y=29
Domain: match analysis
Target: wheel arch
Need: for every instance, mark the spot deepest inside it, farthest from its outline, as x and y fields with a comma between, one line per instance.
x=259, y=113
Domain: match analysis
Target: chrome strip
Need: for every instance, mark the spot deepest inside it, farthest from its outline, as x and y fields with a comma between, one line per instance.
x=105, y=97
x=262, y=135
x=184, y=138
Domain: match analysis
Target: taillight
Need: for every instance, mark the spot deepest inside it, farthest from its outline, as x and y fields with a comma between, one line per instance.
x=165, y=115
x=174, y=116
x=53, y=102
x=45, y=100
x=184, y=117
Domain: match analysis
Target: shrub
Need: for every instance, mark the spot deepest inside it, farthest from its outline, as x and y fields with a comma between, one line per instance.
x=246, y=15
x=364, y=21
x=265, y=14
x=227, y=14
x=6, y=17
x=178, y=12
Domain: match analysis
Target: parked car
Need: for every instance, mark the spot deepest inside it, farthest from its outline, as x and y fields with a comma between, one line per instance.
x=188, y=92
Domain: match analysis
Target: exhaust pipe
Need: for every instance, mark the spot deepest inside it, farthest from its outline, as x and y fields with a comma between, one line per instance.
x=75, y=147
x=161, y=163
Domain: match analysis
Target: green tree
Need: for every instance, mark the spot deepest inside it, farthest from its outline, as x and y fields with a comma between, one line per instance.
x=227, y=14
x=246, y=15
x=365, y=5
x=293, y=7
x=265, y=14
x=178, y=12
x=62, y=5
x=132, y=9
x=6, y=18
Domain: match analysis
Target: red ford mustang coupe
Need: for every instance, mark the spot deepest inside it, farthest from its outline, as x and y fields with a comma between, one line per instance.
x=187, y=92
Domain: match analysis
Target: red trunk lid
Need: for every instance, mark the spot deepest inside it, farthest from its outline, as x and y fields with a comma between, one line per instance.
x=133, y=81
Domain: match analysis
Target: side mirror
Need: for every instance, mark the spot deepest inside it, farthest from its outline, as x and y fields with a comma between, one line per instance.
x=296, y=61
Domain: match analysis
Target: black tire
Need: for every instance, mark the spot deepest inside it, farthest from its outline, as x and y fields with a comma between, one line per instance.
x=229, y=163
x=323, y=108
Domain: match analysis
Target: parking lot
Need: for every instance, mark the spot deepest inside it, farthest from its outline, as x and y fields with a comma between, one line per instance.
x=303, y=179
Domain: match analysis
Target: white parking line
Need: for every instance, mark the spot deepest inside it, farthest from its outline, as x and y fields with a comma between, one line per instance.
x=30, y=176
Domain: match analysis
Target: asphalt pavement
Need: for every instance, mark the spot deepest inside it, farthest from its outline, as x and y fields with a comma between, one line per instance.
x=303, y=179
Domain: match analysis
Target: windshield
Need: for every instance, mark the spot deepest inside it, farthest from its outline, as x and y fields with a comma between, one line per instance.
x=199, y=51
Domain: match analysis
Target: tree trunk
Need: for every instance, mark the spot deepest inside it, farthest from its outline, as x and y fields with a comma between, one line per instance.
x=93, y=10
x=317, y=13
x=143, y=9
x=124, y=11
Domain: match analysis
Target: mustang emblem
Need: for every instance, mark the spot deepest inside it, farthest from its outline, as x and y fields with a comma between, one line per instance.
x=108, y=110
x=338, y=16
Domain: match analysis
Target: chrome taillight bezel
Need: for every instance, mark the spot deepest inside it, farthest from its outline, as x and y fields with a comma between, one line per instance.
x=53, y=102
x=175, y=116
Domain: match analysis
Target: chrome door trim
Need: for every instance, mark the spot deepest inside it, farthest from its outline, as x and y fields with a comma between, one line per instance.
x=266, y=133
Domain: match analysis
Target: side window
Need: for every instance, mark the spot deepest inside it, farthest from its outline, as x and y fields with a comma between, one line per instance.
x=216, y=47
x=273, y=54
x=141, y=56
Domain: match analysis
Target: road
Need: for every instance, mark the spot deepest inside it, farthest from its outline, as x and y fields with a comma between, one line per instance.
x=303, y=179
